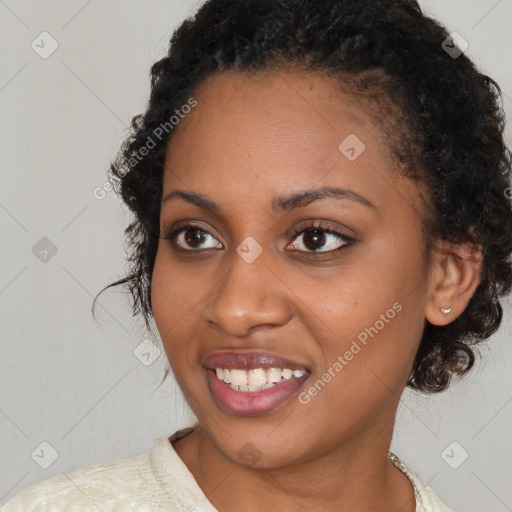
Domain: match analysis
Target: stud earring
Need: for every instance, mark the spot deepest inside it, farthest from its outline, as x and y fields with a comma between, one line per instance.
x=446, y=311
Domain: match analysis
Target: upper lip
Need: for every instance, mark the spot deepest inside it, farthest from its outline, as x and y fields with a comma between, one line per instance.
x=249, y=360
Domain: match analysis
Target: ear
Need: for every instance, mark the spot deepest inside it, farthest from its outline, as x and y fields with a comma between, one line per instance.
x=454, y=276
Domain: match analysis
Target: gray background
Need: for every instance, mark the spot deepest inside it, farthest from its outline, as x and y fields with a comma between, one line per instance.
x=75, y=383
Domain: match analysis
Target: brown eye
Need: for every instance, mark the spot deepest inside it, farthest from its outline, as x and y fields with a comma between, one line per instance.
x=316, y=238
x=192, y=238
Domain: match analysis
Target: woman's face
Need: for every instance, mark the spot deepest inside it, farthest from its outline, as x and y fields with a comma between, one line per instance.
x=348, y=308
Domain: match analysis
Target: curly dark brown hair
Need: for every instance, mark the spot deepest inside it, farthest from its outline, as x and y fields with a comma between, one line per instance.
x=442, y=118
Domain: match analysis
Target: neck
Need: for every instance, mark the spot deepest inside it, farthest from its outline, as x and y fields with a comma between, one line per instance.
x=356, y=476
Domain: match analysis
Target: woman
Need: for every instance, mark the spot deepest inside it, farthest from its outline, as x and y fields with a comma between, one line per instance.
x=321, y=194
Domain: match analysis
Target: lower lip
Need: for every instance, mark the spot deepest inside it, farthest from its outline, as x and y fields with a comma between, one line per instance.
x=253, y=402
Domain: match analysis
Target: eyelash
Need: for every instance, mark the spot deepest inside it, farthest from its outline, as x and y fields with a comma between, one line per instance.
x=348, y=241
x=326, y=231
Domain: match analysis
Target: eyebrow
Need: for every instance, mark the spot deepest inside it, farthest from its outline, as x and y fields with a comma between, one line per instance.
x=279, y=204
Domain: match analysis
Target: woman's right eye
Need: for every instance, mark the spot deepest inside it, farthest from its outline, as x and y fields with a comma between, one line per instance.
x=192, y=238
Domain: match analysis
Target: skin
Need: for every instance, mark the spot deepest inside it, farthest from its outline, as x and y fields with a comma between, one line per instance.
x=249, y=140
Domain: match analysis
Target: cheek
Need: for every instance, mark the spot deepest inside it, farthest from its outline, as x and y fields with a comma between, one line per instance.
x=175, y=290
x=173, y=298
x=346, y=299
x=163, y=295
x=368, y=312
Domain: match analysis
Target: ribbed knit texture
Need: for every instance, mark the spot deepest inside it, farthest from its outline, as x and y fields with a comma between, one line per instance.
x=155, y=482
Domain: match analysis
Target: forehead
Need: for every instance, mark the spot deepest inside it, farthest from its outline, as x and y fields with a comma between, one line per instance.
x=274, y=104
x=266, y=132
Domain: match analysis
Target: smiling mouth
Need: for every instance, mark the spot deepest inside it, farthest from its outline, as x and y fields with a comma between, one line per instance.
x=253, y=381
x=257, y=379
x=254, y=400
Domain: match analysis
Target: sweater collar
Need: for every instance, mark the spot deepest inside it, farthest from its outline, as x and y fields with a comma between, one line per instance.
x=183, y=490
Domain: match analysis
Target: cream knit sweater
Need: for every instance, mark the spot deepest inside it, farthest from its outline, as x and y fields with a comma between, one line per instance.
x=155, y=482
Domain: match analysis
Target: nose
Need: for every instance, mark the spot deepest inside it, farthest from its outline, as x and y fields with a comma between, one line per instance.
x=249, y=296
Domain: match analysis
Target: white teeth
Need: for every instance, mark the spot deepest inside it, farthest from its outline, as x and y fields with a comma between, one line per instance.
x=274, y=374
x=256, y=379
x=238, y=377
x=287, y=373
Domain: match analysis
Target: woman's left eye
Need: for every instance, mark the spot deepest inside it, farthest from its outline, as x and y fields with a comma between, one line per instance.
x=315, y=238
